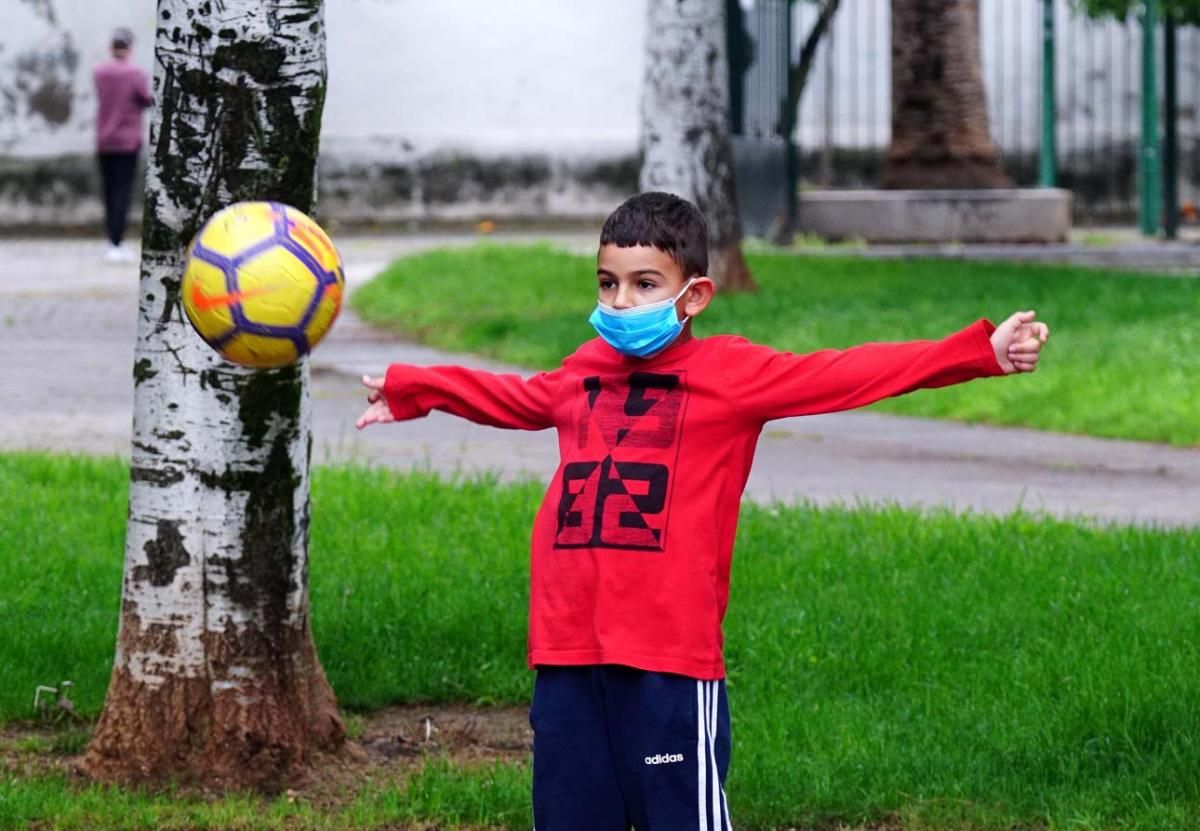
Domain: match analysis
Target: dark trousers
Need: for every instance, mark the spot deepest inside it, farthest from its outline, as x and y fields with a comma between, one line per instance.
x=116, y=175
x=615, y=747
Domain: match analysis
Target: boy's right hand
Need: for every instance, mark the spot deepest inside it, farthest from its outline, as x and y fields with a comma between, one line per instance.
x=1018, y=342
x=378, y=411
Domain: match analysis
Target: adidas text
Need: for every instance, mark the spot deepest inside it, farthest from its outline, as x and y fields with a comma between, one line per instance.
x=664, y=758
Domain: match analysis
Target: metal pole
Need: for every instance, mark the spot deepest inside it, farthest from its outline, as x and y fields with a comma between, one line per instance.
x=827, y=147
x=1049, y=108
x=1170, y=129
x=791, y=154
x=1149, y=170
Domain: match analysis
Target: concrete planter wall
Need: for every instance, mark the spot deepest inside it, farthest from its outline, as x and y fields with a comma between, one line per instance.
x=359, y=189
x=889, y=216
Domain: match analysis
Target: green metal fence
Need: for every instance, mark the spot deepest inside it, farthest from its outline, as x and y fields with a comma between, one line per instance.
x=845, y=114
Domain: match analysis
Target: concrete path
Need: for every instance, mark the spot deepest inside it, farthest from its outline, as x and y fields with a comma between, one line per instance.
x=66, y=351
x=1127, y=252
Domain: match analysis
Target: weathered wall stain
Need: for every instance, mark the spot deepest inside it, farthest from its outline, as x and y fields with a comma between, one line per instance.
x=52, y=101
x=38, y=82
x=43, y=9
x=39, y=66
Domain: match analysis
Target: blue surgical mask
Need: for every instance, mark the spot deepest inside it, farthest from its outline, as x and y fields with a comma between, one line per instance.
x=641, y=331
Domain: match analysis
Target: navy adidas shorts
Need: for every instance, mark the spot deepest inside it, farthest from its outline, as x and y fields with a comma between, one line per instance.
x=615, y=747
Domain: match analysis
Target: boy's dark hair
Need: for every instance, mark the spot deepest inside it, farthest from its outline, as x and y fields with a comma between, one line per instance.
x=672, y=225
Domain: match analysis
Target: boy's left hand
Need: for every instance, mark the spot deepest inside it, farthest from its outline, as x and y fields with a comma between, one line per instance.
x=1018, y=342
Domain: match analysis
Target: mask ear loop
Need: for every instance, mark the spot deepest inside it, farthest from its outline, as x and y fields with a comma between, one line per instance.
x=682, y=292
x=685, y=288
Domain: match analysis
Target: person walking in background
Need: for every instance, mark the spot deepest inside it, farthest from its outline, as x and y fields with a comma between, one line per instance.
x=122, y=93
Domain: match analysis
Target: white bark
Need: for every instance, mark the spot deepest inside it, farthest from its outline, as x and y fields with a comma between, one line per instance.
x=214, y=623
x=685, y=111
x=190, y=437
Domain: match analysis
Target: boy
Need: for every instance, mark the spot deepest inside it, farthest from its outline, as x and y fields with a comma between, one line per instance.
x=632, y=545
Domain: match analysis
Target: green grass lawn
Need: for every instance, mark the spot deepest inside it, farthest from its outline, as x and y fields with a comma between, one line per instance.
x=1121, y=363
x=439, y=796
x=951, y=672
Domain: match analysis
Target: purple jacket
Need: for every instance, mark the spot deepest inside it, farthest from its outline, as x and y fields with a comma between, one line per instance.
x=122, y=94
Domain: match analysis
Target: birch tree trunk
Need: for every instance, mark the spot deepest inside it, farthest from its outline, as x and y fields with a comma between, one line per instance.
x=686, y=148
x=215, y=677
x=940, y=132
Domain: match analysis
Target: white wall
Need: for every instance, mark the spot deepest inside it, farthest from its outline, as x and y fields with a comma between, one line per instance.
x=557, y=76
x=479, y=75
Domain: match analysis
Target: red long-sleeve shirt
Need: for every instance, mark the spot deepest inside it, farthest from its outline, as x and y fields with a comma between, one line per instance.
x=632, y=545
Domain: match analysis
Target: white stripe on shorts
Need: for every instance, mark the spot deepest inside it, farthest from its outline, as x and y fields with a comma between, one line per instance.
x=701, y=771
x=708, y=695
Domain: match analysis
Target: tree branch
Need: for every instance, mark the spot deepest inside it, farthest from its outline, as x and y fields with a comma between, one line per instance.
x=798, y=72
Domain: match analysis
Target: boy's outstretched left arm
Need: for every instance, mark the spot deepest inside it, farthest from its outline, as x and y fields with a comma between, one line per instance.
x=1018, y=342
x=769, y=384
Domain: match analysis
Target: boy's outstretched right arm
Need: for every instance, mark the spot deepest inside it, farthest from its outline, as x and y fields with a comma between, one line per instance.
x=498, y=400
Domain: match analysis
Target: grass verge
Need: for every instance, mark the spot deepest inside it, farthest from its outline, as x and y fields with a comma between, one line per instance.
x=942, y=671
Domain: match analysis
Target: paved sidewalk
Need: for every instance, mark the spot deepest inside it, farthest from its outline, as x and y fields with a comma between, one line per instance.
x=66, y=351
x=1122, y=250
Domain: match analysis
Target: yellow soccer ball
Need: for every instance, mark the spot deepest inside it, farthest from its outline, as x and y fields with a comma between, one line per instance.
x=262, y=283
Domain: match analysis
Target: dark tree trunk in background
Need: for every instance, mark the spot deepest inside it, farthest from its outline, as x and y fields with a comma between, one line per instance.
x=940, y=132
x=686, y=148
x=216, y=679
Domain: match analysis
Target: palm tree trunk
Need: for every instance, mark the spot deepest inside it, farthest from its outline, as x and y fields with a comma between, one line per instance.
x=216, y=678
x=686, y=148
x=940, y=133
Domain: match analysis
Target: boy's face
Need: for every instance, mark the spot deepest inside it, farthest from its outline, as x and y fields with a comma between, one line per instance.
x=636, y=275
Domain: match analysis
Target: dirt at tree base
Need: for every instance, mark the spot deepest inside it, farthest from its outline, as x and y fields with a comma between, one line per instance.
x=396, y=741
x=387, y=747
